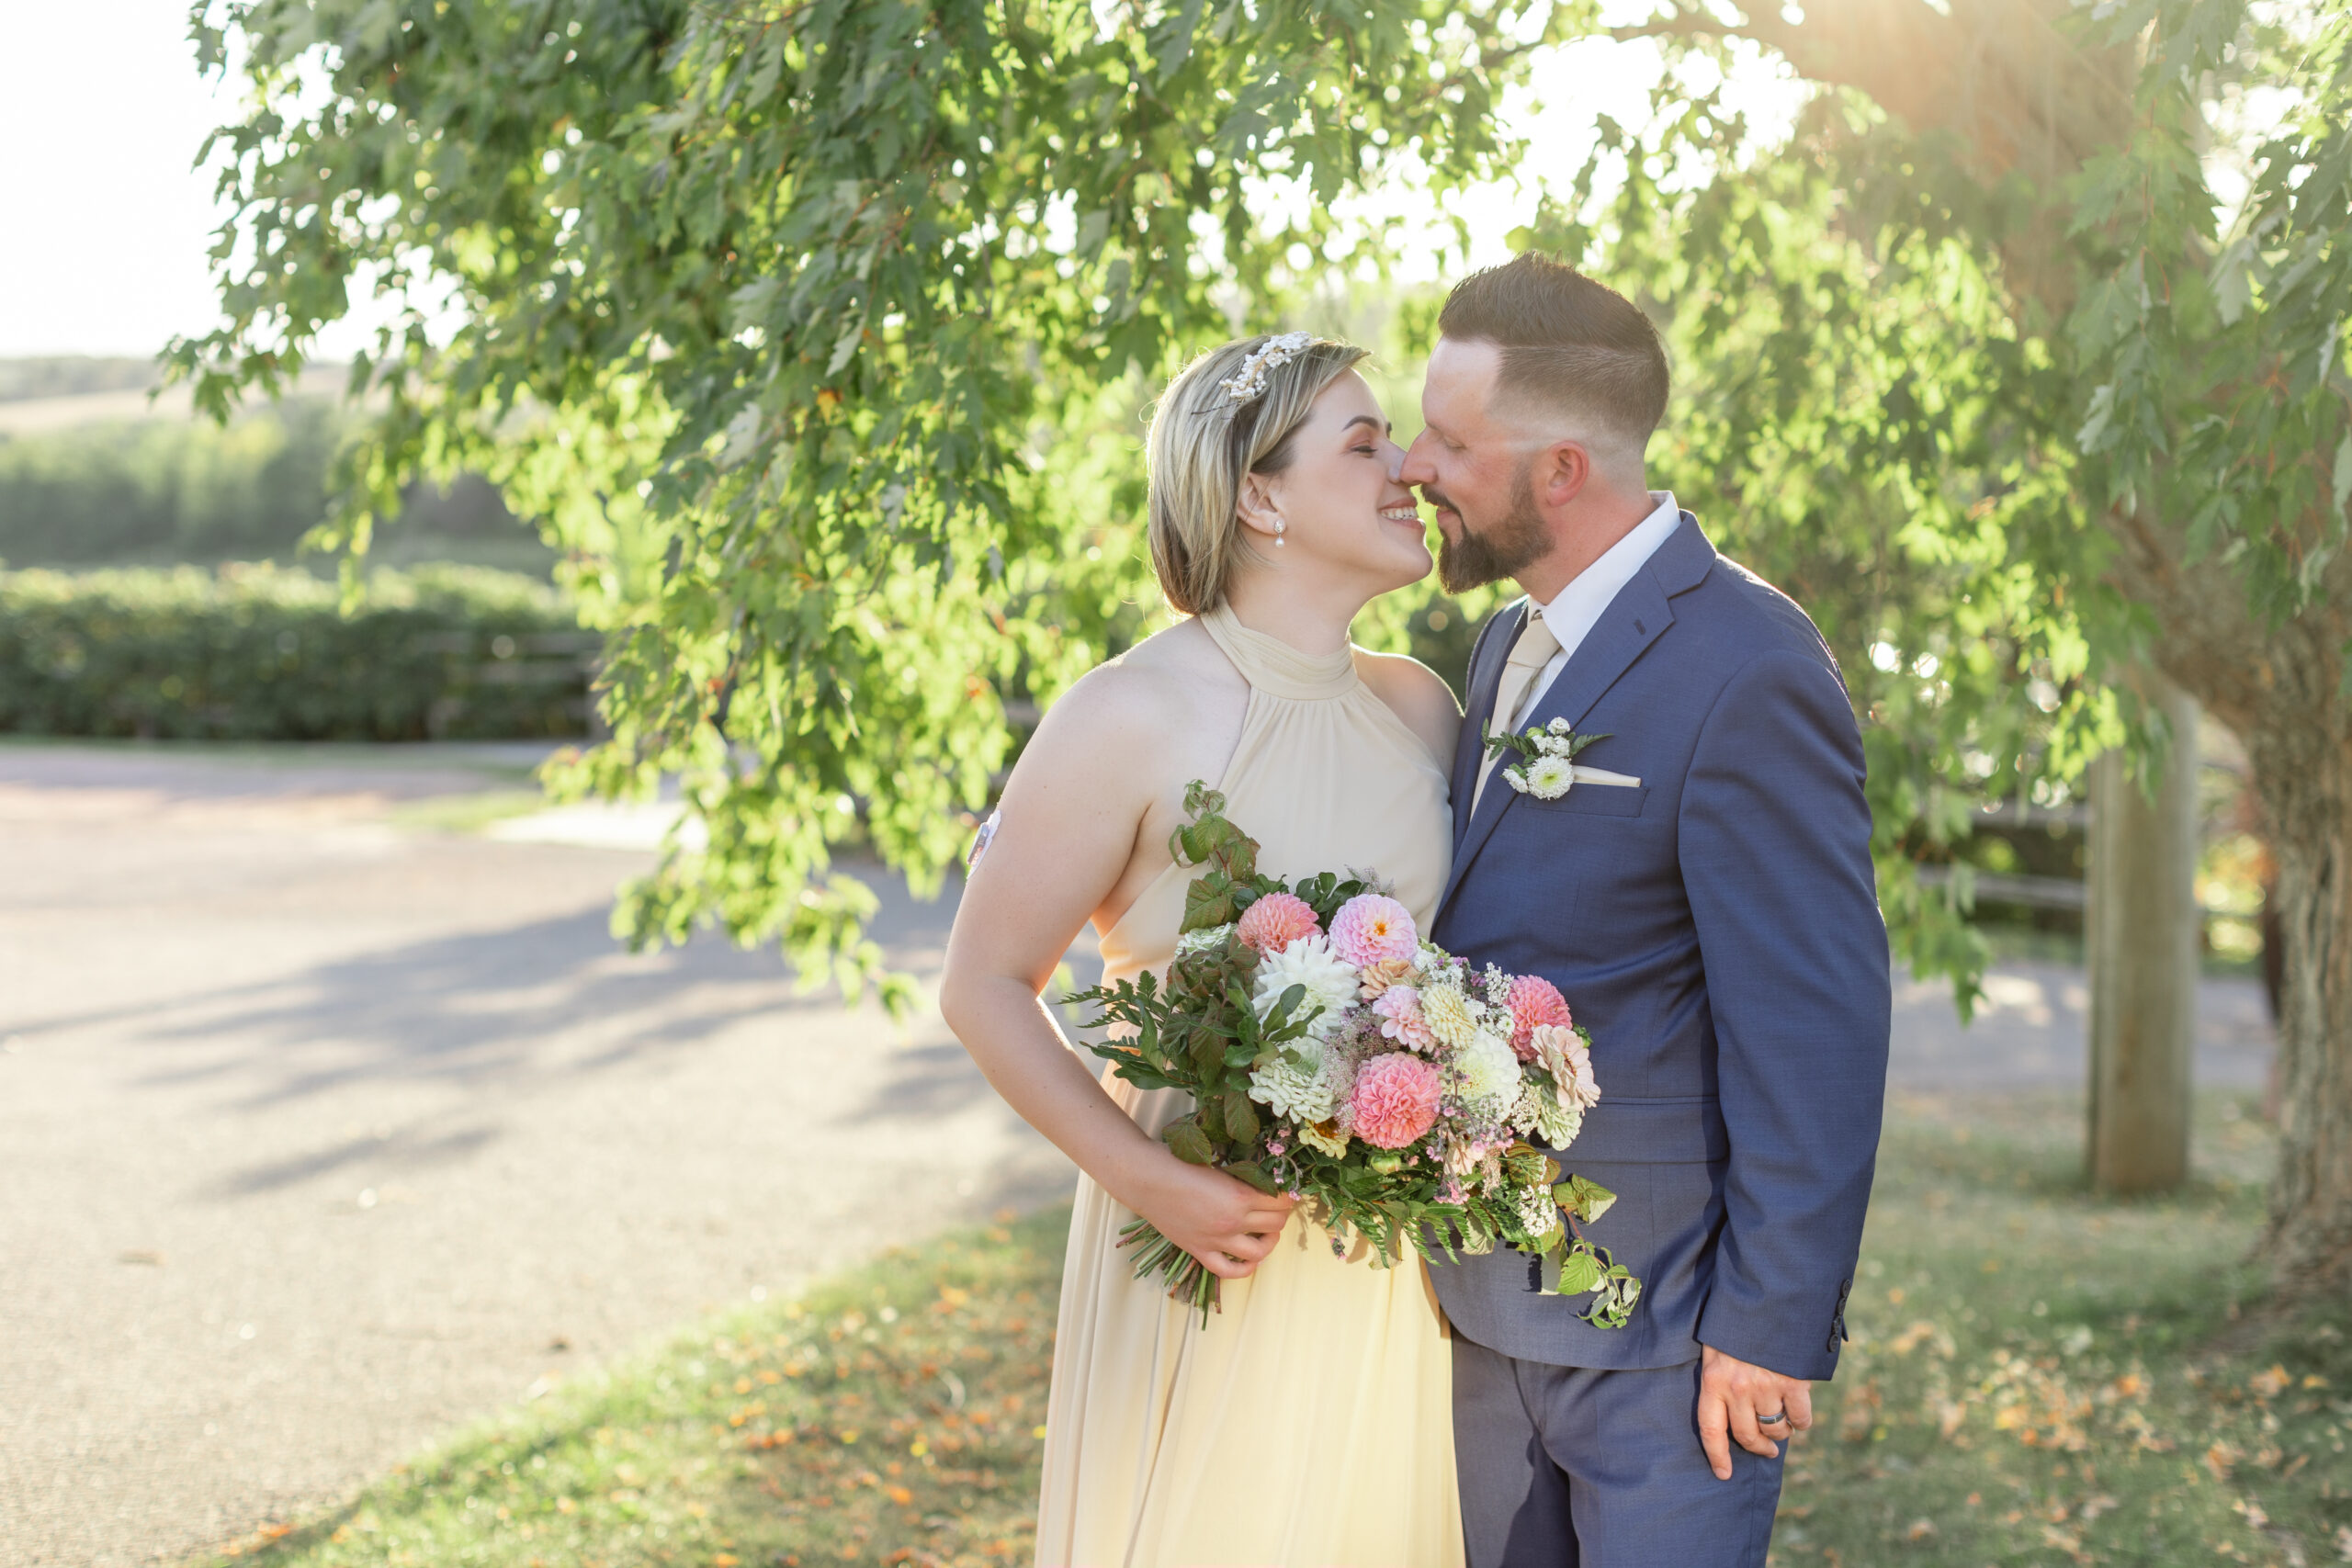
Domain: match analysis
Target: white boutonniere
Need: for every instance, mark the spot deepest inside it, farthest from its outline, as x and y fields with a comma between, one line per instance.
x=1547, y=767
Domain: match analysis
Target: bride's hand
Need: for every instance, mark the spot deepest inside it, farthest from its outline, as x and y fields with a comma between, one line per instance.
x=1228, y=1224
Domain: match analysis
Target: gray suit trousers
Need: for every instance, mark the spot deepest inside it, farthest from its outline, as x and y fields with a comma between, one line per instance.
x=1574, y=1467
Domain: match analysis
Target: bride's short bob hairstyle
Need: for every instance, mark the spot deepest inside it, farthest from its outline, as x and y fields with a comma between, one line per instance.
x=1204, y=441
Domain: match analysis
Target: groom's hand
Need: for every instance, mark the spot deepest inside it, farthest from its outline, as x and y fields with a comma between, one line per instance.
x=1732, y=1394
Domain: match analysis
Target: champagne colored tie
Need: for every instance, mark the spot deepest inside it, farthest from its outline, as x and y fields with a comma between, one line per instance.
x=1535, y=648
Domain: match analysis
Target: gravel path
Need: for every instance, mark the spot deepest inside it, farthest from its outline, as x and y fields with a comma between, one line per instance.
x=320, y=1134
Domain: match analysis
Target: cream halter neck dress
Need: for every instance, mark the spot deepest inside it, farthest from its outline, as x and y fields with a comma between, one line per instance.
x=1310, y=1424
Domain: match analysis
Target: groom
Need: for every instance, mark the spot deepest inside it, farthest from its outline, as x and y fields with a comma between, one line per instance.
x=1714, y=922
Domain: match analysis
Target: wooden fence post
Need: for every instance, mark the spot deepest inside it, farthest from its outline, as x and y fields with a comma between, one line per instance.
x=2144, y=932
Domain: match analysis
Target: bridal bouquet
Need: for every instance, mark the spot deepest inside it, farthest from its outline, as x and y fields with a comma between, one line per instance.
x=1334, y=1055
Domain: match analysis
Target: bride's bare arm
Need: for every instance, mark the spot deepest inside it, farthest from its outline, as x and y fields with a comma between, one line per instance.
x=1072, y=817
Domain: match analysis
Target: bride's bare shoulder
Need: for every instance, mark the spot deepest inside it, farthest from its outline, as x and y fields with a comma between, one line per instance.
x=1170, y=686
x=1417, y=695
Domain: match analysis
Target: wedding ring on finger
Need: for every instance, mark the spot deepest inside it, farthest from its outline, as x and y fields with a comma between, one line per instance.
x=1772, y=1420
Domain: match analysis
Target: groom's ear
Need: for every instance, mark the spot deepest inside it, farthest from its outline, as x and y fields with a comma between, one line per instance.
x=1562, y=471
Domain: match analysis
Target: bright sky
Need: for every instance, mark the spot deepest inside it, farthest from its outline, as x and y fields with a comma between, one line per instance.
x=102, y=111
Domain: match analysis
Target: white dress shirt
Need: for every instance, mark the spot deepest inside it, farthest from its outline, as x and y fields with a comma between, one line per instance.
x=1575, y=610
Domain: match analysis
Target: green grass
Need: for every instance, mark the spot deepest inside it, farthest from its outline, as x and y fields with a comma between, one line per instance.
x=467, y=813
x=888, y=1415
x=2038, y=1377
x=2041, y=1376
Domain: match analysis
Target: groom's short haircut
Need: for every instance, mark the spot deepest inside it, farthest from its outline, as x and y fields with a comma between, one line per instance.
x=1570, y=345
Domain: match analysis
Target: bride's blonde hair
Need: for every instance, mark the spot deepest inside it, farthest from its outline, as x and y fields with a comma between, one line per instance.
x=1230, y=414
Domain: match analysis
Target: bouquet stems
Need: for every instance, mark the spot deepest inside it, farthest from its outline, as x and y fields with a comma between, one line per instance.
x=1187, y=1281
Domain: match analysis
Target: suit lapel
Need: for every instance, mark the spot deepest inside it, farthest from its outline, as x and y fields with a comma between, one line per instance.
x=1637, y=618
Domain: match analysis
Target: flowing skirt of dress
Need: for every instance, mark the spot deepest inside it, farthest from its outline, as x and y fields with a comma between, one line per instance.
x=1309, y=1424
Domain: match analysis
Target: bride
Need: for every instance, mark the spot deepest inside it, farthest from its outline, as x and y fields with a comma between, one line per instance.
x=1310, y=1424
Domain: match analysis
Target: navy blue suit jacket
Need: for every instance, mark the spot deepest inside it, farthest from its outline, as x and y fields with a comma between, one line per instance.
x=1717, y=929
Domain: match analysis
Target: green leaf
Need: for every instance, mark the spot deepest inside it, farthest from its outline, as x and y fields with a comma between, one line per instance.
x=1187, y=1142
x=1209, y=1113
x=1584, y=1198
x=1240, y=1117
x=1254, y=1174
x=1579, y=1271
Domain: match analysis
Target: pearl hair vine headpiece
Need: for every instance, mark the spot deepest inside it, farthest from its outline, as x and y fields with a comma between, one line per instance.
x=1246, y=385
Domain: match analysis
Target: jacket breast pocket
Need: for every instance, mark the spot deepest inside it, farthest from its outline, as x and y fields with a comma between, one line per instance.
x=1594, y=800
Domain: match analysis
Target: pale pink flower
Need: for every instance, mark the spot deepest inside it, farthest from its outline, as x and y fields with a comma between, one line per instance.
x=1399, y=1010
x=1370, y=928
x=1570, y=1061
x=1534, y=1001
x=1395, y=1100
x=1275, y=921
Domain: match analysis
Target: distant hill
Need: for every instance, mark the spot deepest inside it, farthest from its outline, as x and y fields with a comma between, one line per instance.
x=73, y=375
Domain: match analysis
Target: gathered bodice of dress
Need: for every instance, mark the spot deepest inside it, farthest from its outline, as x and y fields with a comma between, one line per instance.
x=1326, y=777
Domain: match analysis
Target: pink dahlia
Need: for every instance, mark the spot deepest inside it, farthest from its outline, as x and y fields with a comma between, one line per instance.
x=1395, y=1099
x=1534, y=1000
x=1399, y=1010
x=1275, y=921
x=1369, y=929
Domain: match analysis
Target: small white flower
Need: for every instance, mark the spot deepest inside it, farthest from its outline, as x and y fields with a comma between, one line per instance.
x=1538, y=1214
x=1330, y=979
x=1558, y=726
x=1548, y=778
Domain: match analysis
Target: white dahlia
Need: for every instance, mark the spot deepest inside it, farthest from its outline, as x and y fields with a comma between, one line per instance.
x=1295, y=1090
x=1329, y=980
x=1488, y=1071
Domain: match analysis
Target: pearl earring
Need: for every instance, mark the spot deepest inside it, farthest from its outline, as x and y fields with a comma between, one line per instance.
x=1278, y=533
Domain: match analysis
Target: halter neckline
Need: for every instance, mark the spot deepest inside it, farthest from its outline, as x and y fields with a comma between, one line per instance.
x=1274, y=667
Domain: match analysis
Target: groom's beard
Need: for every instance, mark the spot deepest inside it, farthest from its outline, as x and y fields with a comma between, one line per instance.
x=1467, y=559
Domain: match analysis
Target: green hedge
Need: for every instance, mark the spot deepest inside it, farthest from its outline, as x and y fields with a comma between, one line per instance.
x=262, y=653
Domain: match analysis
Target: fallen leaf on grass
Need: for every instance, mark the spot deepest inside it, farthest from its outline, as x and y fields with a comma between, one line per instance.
x=1920, y=1530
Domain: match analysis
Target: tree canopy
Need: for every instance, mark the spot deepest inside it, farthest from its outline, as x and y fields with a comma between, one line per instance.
x=817, y=332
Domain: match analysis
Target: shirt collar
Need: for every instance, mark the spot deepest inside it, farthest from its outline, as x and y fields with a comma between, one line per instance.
x=1575, y=608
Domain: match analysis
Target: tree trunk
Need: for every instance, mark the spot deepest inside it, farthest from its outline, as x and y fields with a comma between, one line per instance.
x=2304, y=771
x=2143, y=946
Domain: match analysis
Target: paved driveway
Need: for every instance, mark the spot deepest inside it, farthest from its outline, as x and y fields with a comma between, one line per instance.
x=322, y=1131
x=319, y=1135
